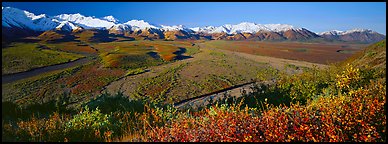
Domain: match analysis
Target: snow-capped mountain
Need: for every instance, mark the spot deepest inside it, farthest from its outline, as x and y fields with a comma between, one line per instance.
x=66, y=26
x=140, y=25
x=245, y=27
x=12, y=17
x=360, y=35
x=119, y=29
x=175, y=28
x=337, y=32
x=213, y=29
x=85, y=22
x=280, y=27
x=16, y=22
x=332, y=32
x=357, y=30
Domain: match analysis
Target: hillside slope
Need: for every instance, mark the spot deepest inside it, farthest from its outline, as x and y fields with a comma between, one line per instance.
x=374, y=56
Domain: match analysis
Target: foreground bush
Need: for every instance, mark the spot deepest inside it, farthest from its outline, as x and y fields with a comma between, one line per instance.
x=350, y=106
x=106, y=118
x=85, y=126
x=357, y=116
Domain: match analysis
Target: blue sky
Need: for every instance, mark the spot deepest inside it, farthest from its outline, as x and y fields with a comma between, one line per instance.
x=315, y=16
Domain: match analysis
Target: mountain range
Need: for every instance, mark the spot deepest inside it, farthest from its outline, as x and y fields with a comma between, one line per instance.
x=18, y=23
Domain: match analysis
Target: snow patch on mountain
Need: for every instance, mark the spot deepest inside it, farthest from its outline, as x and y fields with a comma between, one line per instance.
x=87, y=22
x=140, y=25
x=175, y=28
x=332, y=32
x=357, y=30
x=111, y=19
x=221, y=29
x=121, y=27
x=245, y=27
x=248, y=27
x=280, y=27
x=338, y=32
x=66, y=26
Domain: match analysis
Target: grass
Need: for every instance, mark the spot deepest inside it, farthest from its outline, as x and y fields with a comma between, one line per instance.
x=332, y=116
x=138, y=54
x=343, y=103
x=80, y=83
x=85, y=35
x=26, y=56
x=135, y=71
x=29, y=91
x=374, y=55
x=73, y=47
x=346, y=51
x=129, y=57
x=216, y=53
x=156, y=88
x=301, y=50
x=196, y=78
x=322, y=53
x=353, y=112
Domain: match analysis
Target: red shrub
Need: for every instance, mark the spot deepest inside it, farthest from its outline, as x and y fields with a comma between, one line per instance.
x=356, y=116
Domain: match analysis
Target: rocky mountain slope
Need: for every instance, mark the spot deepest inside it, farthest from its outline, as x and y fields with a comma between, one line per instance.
x=355, y=35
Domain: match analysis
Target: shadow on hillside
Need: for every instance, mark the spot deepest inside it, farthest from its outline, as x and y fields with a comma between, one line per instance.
x=12, y=111
x=126, y=39
x=154, y=55
x=66, y=38
x=108, y=103
x=42, y=47
x=179, y=53
x=262, y=93
x=102, y=36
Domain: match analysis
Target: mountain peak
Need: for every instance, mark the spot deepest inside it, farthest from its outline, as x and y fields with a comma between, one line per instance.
x=332, y=32
x=110, y=18
x=356, y=35
x=280, y=27
x=245, y=27
x=338, y=32
x=174, y=27
x=66, y=26
x=86, y=21
x=21, y=19
x=139, y=24
x=246, y=23
x=26, y=20
x=358, y=30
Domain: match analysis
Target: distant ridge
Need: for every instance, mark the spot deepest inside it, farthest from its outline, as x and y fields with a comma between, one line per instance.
x=18, y=23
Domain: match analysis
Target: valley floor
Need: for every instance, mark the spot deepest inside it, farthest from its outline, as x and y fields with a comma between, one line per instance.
x=235, y=67
x=202, y=67
x=155, y=90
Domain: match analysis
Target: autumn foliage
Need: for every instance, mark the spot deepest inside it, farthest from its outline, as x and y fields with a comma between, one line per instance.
x=357, y=114
x=343, y=103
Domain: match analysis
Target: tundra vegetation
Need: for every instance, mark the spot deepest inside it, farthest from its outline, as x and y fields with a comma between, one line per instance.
x=344, y=102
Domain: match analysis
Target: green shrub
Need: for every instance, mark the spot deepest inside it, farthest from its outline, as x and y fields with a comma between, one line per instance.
x=268, y=73
x=91, y=126
x=116, y=103
x=356, y=116
x=135, y=71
